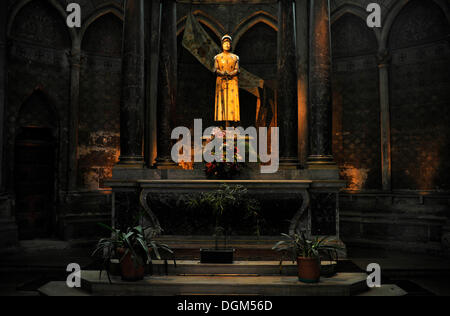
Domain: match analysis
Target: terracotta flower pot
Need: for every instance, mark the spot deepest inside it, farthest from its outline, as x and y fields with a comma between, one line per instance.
x=129, y=269
x=308, y=270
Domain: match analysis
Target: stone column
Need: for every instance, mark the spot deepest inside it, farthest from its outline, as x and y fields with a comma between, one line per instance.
x=320, y=105
x=8, y=227
x=384, y=61
x=302, y=28
x=167, y=83
x=152, y=38
x=75, y=68
x=3, y=77
x=287, y=100
x=133, y=89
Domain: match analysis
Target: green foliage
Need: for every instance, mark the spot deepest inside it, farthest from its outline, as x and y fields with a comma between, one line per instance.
x=137, y=241
x=226, y=200
x=300, y=246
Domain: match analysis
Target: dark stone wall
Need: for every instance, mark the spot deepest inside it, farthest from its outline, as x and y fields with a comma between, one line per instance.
x=356, y=109
x=420, y=98
x=100, y=80
x=38, y=63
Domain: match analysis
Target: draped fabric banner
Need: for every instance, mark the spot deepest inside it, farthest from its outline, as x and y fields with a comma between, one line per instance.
x=198, y=42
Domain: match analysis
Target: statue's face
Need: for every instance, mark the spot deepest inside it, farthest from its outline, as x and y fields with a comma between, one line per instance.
x=226, y=46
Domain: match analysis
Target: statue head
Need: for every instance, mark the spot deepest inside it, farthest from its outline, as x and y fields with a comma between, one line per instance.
x=226, y=43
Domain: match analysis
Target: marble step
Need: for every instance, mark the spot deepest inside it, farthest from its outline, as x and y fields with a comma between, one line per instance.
x=58, y=288
x=342, y=284
x=249, y=268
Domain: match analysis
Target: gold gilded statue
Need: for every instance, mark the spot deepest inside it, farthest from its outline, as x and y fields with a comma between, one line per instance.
x=226, y=67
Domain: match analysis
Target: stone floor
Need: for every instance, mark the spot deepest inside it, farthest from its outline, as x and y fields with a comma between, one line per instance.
x=24, y=270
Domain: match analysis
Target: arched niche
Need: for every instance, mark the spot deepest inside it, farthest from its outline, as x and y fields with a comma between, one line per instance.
x=196, y=87
x=37, y=59
x=40, y=23
x=103, y=37
x=35, y=168
x=257, y=50
x=419, y=98
x=99, y=109
x=356, y=110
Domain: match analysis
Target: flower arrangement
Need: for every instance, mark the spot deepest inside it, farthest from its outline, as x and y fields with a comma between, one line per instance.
x=225, y=168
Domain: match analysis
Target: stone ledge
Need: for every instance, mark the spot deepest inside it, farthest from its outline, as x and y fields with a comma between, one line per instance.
x=343, y=284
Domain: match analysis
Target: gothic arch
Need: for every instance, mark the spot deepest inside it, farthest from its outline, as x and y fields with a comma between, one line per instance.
x=252, y=20
x=107, y=9
x=357, y=11
x=356, y=114
x=21, y=119
x=418, y=41
x=213, y=24
x=41, y=111
x=20, y=4
x=395, y=12
x=103, y=41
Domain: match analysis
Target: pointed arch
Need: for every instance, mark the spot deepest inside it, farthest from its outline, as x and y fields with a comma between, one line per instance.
x=356, y=11
x=20, y=4
x=252, y=20
x=41, y=110
x=213, y=24
x=109, y=8
x=395, y=12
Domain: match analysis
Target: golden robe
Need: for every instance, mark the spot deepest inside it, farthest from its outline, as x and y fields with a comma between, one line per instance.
x=226, y=67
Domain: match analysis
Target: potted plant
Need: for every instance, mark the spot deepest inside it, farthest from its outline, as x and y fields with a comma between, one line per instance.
x=223, y=202
x=133, y=248
x=307, y=253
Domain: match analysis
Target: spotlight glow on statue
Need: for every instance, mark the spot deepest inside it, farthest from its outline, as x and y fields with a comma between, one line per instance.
x=226, y=66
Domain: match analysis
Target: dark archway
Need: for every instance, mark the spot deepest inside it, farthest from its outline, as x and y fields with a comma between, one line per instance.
x=257, y=49
x=99, y=110
x=196, y=87
x=356, y=106
x=35, y=169
x=420, y=97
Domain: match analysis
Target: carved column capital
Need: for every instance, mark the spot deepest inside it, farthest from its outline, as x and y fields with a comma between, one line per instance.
x=384, y=58
x=75, y=58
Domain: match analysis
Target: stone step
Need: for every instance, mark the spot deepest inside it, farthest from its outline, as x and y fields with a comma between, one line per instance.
x=251, y=268
x=59, y=288
x=342, y=284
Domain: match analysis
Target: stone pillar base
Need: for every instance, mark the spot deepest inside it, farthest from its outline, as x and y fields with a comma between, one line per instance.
x=289, y=164
x=166, y=164
x=321, y=162
x=130, y=162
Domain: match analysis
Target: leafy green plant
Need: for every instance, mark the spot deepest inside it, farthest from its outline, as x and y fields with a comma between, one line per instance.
x=300, y=246
x=224, y=201
x=137, y=241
